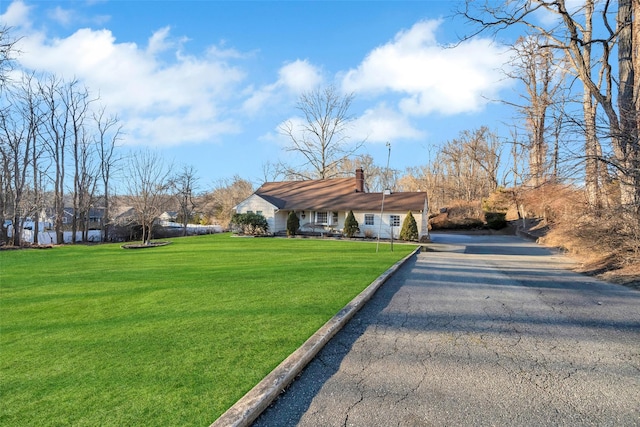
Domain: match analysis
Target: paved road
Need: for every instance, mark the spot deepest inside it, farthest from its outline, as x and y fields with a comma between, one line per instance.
x=485, y=330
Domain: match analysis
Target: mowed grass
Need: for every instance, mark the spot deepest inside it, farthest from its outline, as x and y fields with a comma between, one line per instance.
x=166, y=336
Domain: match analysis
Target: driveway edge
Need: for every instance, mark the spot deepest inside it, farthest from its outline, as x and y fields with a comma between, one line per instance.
x=246, y=410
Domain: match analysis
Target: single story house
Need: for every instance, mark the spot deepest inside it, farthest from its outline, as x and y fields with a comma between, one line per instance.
x=322, y=206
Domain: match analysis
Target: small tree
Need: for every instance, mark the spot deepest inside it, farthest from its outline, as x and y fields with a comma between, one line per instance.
x=148, y=183
x=184, y=186
x=409, y=228
x=351, y=226
x=293, y=223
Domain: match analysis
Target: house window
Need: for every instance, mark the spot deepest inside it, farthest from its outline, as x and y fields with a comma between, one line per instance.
x=394, y=220
x=368, y=219
x=334, y=218
x=249, y=212
x=259, y=212
x=321, y=217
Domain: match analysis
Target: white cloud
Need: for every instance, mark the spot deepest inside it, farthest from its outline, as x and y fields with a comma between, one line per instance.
x=259, y=99
x=17, y=15
x=382, y=124
x=62, y=16
x=221, y=52
x=294, y=78
x=429, y=77
x=160, y=104
x=158, y=41
x=299, y=76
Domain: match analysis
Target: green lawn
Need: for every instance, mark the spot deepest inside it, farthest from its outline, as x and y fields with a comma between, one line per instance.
x=166, y=336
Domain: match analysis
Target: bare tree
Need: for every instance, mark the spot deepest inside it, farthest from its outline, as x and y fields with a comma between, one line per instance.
x=55, y=134
x=626, y=144
x=594, y=165
x=148, y=184
x=76, y=101
x=31, y=111
x=15, y=151
x=635, y=54
x=7, y=51
x=87, y=182
x=185, y=184
x=19, y=125
x=5, y=189
x=572, y=34
x=218, y=204
x=470, y=164
x=465, y=168
x=321, y=136
x=542, y=75
x=271, y=171
x=376, y=177
x=484, y=148
x=109, y=131
x=429, y=178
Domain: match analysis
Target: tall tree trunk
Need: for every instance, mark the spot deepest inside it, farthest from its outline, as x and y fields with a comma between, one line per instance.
x=592, y=150
x=635, y=53
x=592, y=186
x=104, y=222
x=59, y=197
x=635, y=25
x=36, y=195
x=628, y=131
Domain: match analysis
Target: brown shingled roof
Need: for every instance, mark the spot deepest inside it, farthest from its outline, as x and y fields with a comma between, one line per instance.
x=338, y=194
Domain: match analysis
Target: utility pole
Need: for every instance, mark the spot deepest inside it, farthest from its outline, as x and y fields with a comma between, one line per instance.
x=384, y=191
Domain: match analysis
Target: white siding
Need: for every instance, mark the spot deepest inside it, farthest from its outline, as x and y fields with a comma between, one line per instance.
x=385, y=230
x=256, y=204
x=280, y=223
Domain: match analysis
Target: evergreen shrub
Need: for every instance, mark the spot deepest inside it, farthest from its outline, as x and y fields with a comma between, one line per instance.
x=293, y=223
x=495, y=220
x=351, y=226
x=409, y=229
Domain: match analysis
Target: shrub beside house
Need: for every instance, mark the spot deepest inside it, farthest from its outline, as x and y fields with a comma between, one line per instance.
x=409, y=230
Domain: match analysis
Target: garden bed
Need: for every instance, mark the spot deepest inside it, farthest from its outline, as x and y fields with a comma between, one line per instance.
x=144, y=245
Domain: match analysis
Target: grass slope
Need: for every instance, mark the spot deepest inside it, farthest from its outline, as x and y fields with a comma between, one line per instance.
x=174, y=335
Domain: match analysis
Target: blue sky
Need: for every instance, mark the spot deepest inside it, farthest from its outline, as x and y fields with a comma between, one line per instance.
x=208, y=83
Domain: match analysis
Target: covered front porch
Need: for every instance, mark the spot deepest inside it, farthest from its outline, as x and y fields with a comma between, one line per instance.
x=318, y=223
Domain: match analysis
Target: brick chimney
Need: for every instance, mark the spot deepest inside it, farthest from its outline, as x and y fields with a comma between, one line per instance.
x=359, y=180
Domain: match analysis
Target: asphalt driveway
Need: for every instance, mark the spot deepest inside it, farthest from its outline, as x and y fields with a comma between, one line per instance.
x=483, y=330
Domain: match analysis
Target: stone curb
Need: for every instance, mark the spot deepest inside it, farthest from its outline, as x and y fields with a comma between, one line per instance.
x=246, y=410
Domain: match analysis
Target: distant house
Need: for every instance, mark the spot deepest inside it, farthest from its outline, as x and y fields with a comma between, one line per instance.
x=94, y=216
x=169, y=216
x=124, y=215
x=322, y=206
